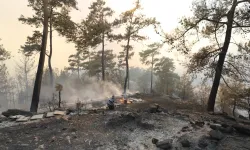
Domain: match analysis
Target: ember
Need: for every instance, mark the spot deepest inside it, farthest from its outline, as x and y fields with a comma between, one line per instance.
x=124, y=101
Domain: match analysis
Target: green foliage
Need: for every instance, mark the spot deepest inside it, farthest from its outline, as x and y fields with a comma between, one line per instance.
x=32, y=44
x=133, y=23
x=59, y=17
x=94, y=65
x=78, y=61
x=97, y=21
x=208, y=22
x=4, y=54
x=148, y=55
x=167, y=80
x=184, y=87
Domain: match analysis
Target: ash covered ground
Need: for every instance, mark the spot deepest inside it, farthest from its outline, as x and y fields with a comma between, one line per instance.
x=131, y=127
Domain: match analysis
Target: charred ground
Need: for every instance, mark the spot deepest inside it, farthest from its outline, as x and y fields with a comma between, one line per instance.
x=179, y=125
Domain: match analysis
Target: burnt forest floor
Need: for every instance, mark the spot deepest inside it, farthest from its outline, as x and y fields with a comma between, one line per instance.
x=132, y=127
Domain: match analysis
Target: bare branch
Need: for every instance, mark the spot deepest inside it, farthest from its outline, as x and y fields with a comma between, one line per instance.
x=242, y=1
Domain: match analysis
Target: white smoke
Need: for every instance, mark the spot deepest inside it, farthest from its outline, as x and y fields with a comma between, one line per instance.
x=88, y=90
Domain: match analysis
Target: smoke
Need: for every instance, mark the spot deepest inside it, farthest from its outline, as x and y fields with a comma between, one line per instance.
x=3, y=103
x=86, y=90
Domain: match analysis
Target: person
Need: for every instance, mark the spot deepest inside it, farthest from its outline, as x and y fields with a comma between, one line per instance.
x=111, y=102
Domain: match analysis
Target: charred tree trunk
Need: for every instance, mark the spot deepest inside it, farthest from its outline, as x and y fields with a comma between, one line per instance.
x=127, y=65
x=103, y=58
x=59, y=103
x=51, y=50
x=248, y=101
x=39, y=74
x=151, y=81
x=222, y=56
x=26, y=83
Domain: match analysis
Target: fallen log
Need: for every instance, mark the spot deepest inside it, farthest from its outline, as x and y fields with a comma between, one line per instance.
x=14, y=112
x=242, y=129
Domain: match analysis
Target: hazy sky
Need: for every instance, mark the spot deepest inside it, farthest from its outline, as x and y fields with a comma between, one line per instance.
x=13, y=33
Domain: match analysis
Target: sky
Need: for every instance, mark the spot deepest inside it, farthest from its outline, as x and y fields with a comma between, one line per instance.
x=13, y=33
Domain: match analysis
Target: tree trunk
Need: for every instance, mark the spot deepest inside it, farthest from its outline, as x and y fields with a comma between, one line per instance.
x=59, y=103
x=103, y=58
x=151, y=81
x=39, y=74
x=78, y=67
x=222, y=56
x=248, y=101
x=51, y=50
x=127, y=65
x=26, y=82
x=128, y=77
x=234, y=107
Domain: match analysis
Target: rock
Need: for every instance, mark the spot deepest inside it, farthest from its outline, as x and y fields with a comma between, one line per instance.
x=185, y=143
x=244, y=129
x=41, y=147
x=199, y=123
x=23, y=119
x=3, y=118
x=234, y=143
x=216, y=134
x=57, y=112
x=242, y=117
x=166, y=144
x=69, y=111
x=227, y=129
x=214, y=126
x=229, y=117
x=154, y=141
x=154, y=108
x=35, y=117
x=14, y=112
x=203, y=142
x=50, y=114
x=185, y=129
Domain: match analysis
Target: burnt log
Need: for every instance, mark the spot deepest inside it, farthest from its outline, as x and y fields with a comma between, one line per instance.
x=14, y=112
x=242, y=129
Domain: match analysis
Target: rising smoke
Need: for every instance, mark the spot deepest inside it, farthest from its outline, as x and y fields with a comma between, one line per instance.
x=86, y=90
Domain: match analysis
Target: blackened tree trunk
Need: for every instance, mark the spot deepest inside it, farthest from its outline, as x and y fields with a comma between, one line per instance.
x=26, y=83
x=59, y=103
x=222, y=56
x=151, y=81
x=39, y=74
x=127, y=65
x=51, y=50
x=103, y=58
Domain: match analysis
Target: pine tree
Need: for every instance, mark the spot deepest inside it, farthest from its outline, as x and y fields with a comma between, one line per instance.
x=133, y=23
x=148, y=57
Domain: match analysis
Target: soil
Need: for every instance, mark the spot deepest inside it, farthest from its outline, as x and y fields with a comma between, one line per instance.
x=127, y=127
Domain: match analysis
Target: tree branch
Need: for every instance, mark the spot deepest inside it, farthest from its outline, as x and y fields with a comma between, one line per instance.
x=195, y=24
x=242, y=1
x=235, y=68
